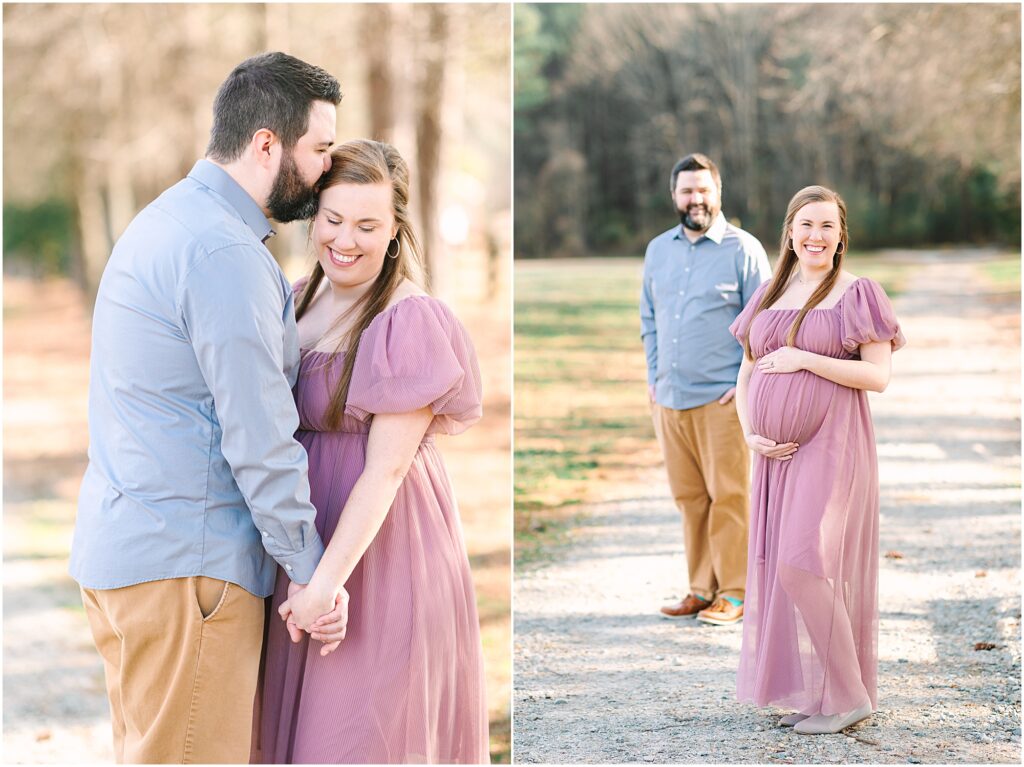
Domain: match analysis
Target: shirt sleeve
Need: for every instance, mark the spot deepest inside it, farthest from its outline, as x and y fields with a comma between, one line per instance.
x=648, y=328
x=234, y=313
x=756, y=269
x=740, y=327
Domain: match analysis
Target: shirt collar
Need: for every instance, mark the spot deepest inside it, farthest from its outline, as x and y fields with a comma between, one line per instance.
x=216, y=178
x=715, y=232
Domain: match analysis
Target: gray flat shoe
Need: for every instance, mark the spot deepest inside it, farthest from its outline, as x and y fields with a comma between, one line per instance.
x=827, y=725
x=790, y=720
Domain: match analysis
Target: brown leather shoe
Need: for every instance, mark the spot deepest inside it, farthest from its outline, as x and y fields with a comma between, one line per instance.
x=721, y=613
x=692, y=605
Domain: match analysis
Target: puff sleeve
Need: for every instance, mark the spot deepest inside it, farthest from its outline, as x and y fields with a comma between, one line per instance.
x=868, y=317
x=417, y=354
x=740, y=327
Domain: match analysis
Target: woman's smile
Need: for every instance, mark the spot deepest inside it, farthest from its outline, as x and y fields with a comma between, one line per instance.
x=341, y=259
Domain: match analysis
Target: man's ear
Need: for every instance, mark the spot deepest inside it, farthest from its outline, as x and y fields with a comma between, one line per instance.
x=264, y=147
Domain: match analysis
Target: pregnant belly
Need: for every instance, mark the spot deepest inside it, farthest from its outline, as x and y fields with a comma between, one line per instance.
x=788, y=407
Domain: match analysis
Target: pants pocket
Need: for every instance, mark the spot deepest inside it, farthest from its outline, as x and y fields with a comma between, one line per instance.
x=211, y=593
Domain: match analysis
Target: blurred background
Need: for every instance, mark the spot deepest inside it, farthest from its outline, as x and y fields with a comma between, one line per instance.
x=910, y=111
x=104, y=107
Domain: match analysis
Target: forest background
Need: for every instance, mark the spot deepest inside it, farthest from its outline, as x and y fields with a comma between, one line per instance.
x=911, y=111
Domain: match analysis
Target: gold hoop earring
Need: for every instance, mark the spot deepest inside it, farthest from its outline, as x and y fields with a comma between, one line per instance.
x=398, y=250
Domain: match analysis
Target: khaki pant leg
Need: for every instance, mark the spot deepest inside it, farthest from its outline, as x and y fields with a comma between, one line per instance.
x=186, y=665
x=674, y=429
x=108, y=643
x=726, y=467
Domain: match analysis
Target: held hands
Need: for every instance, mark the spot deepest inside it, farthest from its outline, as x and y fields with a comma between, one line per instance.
x=324, y=615
x=785, y=359
x=771, y=449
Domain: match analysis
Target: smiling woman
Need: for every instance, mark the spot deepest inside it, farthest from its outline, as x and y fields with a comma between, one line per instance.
x=385, y=367
x=354, y=230
x=810, y=629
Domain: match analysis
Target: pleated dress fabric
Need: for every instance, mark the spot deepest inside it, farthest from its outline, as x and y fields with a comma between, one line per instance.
x=406, y=685
x=810, y=623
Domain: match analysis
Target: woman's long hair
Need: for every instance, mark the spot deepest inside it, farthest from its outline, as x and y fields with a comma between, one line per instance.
x=368, y=162
x=788, y=262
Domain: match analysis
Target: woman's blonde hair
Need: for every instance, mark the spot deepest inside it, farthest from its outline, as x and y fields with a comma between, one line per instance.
x=368, y=162
x=788, y=261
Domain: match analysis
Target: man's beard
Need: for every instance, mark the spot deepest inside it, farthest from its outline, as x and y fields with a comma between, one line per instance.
x=699, y=220
x=290, y=199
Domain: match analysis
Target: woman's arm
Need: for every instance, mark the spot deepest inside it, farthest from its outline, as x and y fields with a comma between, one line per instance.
x=391, y=446
x=742, y=383
x=766, y=447
x=871, y=372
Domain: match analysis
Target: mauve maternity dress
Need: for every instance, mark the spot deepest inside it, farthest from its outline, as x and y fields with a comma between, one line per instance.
x=406, y=684
x=811, y=614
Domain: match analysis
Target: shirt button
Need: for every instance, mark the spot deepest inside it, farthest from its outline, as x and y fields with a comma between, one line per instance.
x=288, y=568
x=265, y=533
x=677, y=316
x=682, y=292
x=674, y=340
x=686, y=269
x=673, y=364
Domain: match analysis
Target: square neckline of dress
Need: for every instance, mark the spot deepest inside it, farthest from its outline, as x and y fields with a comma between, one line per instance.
x=818, y=308
x=304, y=350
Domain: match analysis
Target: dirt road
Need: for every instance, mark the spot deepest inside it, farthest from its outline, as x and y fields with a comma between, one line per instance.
x=600, y=677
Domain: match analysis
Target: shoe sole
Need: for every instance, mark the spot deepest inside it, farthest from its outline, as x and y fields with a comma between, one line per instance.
x=719, y=621
x=677, y=617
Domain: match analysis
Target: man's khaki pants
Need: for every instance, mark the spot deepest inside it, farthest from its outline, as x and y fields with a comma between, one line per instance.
x=708, y=465
x=181, y=658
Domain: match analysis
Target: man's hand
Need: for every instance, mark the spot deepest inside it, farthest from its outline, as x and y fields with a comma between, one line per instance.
x=650, y=392
x=293, y=630
x=304, y=606
x=728, y=397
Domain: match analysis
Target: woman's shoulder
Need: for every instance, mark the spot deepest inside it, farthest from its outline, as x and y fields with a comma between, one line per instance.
x=410, y=306
x=862, y=287
x=406, y=289
x=846, y=279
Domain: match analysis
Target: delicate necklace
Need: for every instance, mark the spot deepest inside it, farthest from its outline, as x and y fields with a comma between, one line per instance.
x=802, y=281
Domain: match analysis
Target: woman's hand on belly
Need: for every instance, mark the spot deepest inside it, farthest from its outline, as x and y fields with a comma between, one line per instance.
x=779, y=451
x=785, y=359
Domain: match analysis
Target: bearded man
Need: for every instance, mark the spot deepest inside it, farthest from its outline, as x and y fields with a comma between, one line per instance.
x=196, y=489
x=697, y=278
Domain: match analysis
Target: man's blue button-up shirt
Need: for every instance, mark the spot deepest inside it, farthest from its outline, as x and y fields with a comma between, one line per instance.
x=193, y=466
x=692, y=292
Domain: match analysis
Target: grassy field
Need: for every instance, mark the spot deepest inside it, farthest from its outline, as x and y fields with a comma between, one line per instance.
x=582, y=422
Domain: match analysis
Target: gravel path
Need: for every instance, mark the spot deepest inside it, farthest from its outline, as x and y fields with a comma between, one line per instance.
x=600, y=677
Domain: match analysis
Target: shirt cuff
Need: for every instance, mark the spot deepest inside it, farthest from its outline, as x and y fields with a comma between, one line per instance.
x=299, y=566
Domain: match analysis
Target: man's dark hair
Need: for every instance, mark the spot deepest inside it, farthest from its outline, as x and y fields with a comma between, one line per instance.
x=695, y=161
x=273, y=91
